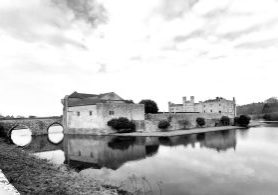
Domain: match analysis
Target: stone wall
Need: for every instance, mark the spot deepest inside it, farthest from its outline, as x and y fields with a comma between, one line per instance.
x=38, y=126
x=179, y=120
x=93, y=118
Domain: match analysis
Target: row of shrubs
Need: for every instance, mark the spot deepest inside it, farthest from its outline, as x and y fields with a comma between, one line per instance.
x=123, y=125
x=271, y=117
x=242, y=120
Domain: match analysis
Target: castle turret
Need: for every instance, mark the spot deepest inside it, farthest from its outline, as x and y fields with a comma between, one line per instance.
x=192, y=99
x=184, y=100
x=235, y=111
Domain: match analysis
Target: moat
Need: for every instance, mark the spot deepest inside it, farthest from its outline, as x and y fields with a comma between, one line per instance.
x=240, y=161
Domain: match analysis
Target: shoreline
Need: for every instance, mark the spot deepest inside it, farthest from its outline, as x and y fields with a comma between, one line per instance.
x=180, y=132
x=31, y=175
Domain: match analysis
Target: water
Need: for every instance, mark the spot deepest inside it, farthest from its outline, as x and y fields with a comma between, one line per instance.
x=227, y=162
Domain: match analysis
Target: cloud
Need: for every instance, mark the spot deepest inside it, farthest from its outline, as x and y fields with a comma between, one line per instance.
x=57, y=23
x=194, y=34
x=88, y=10
x=102, y=68
x=254, y=28
x=172, y=9
x=263, y=44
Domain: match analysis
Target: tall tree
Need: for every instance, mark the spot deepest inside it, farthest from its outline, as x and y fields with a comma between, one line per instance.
x=150, y=106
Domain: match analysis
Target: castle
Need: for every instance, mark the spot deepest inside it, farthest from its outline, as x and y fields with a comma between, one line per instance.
x=218, y=105
x=91, y=111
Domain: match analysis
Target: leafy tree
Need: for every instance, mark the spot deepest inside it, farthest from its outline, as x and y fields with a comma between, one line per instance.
x=164, y=124
x=225, y=121
x=122, y=125
x=200, y=121
x=272, y=100
x=150, y=106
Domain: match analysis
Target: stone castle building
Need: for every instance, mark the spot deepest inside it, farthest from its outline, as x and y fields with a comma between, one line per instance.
x=91, y=111
x=218, y=105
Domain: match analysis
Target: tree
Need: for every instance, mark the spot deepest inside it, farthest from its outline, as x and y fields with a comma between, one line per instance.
x=271, y=100
x=200, y=121
x=225, y=121
x=150, y=106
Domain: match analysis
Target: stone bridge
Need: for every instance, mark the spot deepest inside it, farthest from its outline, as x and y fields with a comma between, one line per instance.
x=38, y=126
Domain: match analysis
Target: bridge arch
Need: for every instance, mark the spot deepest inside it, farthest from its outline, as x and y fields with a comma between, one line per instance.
x=38, y=126
x=53, y=124
x=16, y=138
x=55, y=137
x=13, y=128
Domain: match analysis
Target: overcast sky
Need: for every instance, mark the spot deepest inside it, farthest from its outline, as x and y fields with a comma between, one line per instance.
x=157, y=49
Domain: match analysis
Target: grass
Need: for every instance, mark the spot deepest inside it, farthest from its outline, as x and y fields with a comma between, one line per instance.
x=31, y=175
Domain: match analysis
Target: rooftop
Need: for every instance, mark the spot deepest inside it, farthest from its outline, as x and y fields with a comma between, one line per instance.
x=82, y=99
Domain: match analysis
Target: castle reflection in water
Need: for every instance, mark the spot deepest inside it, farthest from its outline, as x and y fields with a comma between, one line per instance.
x=83, y=151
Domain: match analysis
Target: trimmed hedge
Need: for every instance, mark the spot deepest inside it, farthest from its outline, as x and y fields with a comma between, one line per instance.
x=242, y=120
x=122, y=125
x=225, y=121
x=200, y=121
x=164, y=124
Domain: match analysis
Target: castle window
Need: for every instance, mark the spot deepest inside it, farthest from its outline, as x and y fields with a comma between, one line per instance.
x=78, y=113
x=90, y=113
x=210, y=110
x=219, y=111
x=111, y=112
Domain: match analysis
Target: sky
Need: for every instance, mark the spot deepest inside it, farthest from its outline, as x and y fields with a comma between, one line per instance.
x=159, y=49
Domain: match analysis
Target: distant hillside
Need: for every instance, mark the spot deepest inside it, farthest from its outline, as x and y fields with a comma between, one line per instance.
x=249, y=109
x=257, y=108
x=270, y=108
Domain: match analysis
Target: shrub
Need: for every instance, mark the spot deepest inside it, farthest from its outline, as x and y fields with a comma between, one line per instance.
x=122, y=125
x=225, y=121
x=271, y=117
x=121, y=143
x=242, y=120
x=164, y=124
x=2, y=132
x=200, y=121
x=267, y=117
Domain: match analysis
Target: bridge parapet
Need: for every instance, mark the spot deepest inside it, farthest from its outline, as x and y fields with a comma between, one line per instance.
x=38, y=126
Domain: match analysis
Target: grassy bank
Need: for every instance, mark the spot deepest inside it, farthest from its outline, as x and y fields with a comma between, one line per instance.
x=31, y=175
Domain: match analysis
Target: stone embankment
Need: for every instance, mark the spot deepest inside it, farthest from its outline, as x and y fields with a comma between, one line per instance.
x=181, y=132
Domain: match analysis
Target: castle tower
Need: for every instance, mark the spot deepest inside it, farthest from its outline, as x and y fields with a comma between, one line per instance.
x=234, y=100
x=192, y=99
x=184, y=100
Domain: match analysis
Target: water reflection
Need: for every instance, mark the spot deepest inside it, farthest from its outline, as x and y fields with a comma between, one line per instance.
x=21, y=135
x=106, y=151
x=226, y=162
